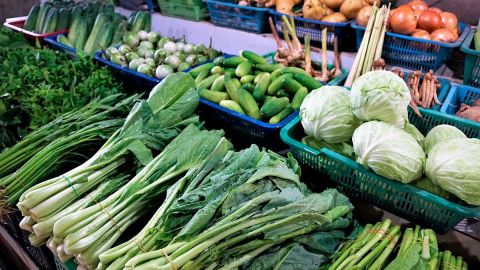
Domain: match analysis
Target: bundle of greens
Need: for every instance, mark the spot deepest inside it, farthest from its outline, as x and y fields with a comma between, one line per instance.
x=54, y=145
x=370, y=249
x=448, y=261
x=37, y=86
x=12, y=39
x=238, y=210
x=150, y=126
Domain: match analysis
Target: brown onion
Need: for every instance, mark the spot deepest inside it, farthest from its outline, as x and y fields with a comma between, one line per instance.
x=364, y=15
x=418, y=5
x=403, y=21
x=449, y=21
x=429, y=21
x=333, y=4
x=436, y=10
x=419, y=33
x=335, y=18
x=443, y=35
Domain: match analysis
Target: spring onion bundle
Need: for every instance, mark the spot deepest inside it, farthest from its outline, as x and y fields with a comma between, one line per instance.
x=52, y=146
x=232, y=211
x=151, y=125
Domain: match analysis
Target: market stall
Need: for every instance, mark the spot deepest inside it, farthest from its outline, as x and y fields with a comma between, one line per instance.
x=287, y=134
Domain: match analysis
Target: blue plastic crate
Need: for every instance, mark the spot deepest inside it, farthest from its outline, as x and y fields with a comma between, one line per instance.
x=461, y=94
x=304, y=27
x=54, y=44
x=415, y=53
x=227, y=13
x=471, y=72
x=441, y=93
x=238, y=125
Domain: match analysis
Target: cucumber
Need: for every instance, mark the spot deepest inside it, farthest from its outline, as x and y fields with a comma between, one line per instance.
x=229, y=71
x=219, y=60
x=307, y=81
x=92, y=41
x=282, y=93
x=236, y=82
x=233, y=61
x=51, y=21
x=248, y=104
x=244, y=68
x=299, y=97
x=120, y=31
x=64, y=40
x=213, y=96
x=196, y=71
x=268, y=98
x=63, y=19
x=274, y=106
x=148, y=22
x=202, y=76
x=208, y=82
x=76, y=12
x=261, y=87
x=249, y=87
x=275, y=74
x=131, y=19
x=42, y=14
x=278, y=83
x=72, y=32
x=292, y=85
x=80, y=36
x=247, y=79
x=294, y=70
x=140, y=22
x=232, y=105
x=219, y=84
x=231, y=88
x=105, y=36
x=268, y=67
x=281, y=115
x=253, y=57
x=216, y=70
x=258, y=77
x=32, y=18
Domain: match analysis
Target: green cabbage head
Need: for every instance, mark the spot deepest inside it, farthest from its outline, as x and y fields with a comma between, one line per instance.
x=441, y=133
x=380, y=95
x=389, y=151
x=454, y=165
x=326, y=115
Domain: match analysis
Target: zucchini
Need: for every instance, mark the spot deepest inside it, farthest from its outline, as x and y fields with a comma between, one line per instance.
x=231, y=88
x=244, y=68
x=42, y=14
x=299, y=97
x=281, y=115
x=208, y=82
x=261, y=87
x=92, y=41
x=196, y=71
x=274, y=106
x=278, y=83
x=219, y=84
x=63, y=19
x=233, y=61
x=32, y=18
x=72, y=32
x=105, y=36
x=76, y=12
x=232, y=105
x=213, y=96
x=148, y=22
x=131, y=19
x=139, y=22
x=253, y=57
x=307, y=81
x=43, y=20
x=202, y=76
x=248, y=104
x=51, y=21
x=81, y=36
x=268, y=67
x=292, y=85
x=120, y=31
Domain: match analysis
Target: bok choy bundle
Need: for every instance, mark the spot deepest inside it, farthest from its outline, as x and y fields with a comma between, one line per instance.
x=150, y=126
x=231, y=212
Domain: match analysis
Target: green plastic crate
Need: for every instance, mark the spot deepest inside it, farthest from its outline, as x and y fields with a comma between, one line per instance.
x=336, y=81
x=68, y=265
x=357, y=181
x=471, y=72
x=188, y=9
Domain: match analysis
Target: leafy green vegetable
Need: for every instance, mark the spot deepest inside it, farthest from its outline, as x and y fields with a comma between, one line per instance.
x=12, y=39
x=440, y=134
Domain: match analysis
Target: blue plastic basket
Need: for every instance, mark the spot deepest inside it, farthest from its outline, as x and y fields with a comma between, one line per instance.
x=471, y=72
x=461, y=94
x=227, y=13
x=304, y=27
x=441, y=93
x=415, y=53
x=131, y=78
x=54, y=44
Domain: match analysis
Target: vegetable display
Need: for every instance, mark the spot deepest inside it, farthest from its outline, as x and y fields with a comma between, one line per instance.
x=37, y=86
x=52, y=16
x=249, y=85
x=418, y=20
x=12, y=39
x=157, y=56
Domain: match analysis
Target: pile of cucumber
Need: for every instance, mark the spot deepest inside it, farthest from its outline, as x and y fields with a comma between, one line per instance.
x=52, y=16
x=249, y=85
x=90, y=34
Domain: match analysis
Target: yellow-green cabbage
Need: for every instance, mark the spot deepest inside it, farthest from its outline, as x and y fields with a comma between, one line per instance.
x=441, y=133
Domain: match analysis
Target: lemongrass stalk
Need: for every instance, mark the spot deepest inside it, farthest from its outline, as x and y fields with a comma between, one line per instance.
x=235, y=264
x=372, y=43
x=372, y=255
x=379, y=49
x=380, y=262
